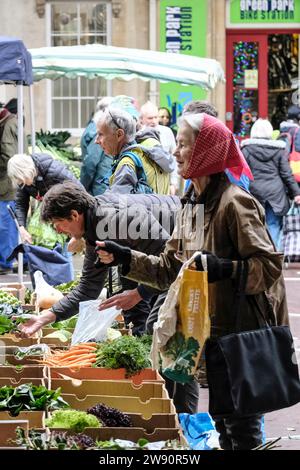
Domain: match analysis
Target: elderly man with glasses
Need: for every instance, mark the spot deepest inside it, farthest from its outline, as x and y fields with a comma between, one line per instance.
x=135, y=169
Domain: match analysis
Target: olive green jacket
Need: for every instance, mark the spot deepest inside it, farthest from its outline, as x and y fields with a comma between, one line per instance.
x=8, y=148
x=233, y=227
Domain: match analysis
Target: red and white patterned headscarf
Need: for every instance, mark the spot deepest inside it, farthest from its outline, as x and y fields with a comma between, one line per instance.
x=216, y=150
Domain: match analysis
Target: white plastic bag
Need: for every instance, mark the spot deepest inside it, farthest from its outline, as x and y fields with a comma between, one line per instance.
x=46, y=295
x=92, y=324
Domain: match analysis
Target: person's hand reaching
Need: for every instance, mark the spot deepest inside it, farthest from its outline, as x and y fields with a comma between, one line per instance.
x=35, y=323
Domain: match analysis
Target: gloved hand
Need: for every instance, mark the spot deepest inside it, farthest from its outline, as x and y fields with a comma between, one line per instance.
x=218, y=269
x=112, y=254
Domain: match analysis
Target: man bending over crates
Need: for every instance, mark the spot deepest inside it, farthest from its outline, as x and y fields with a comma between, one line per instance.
x=141, y=222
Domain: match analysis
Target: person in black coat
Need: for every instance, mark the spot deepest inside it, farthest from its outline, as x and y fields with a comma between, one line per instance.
x=34, y=175
x=273, y=185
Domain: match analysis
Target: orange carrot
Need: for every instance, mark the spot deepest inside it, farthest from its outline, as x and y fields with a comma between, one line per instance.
x=87, y=357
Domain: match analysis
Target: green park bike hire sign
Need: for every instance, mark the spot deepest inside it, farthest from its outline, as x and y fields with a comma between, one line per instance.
x=264, y=11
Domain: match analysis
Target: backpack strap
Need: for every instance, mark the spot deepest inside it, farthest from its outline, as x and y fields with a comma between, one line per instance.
x=137, y=162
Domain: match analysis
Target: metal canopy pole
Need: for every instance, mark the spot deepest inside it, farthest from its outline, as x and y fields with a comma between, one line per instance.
x=20, y=150
x=32, y=118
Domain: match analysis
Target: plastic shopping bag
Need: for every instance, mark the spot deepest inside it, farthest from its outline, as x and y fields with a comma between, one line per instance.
x=199, y=430
x=92, y=324
x=180, y=348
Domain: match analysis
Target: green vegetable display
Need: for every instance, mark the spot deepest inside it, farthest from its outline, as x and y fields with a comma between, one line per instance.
x=40, y=440
x=7, y=298
x=58, y=140
x=67, y=286
x=72, y=419
x=43, y=234
x=70, y=323
x=28, y=397
x=59, y=154
x=28, y=294
x=7, y=312
x=63, y=335
x=129, y=352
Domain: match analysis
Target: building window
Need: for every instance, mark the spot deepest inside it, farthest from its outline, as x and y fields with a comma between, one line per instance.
x=77, y=23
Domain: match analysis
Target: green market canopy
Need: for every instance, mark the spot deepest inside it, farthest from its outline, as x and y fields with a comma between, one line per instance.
x=110, y=62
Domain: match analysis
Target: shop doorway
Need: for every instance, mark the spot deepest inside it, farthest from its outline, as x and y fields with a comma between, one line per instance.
x=262, y=74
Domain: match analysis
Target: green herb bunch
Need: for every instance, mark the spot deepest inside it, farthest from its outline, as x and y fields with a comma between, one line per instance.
x=129, y=352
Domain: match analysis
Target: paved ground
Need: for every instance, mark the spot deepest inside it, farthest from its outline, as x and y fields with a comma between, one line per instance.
x=284, y=423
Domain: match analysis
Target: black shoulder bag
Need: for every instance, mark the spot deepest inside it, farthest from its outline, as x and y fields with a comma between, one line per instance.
x=252, y=372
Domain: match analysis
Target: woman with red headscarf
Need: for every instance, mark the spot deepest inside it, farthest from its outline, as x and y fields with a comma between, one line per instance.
x=232, y=230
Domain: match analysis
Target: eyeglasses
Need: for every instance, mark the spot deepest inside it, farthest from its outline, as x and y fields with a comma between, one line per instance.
x=114, y=121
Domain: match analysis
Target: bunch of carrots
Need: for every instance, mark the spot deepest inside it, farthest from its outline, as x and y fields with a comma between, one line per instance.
x=80, y=355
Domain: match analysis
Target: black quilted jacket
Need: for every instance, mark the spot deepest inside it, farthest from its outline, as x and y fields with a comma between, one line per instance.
x=50, y=172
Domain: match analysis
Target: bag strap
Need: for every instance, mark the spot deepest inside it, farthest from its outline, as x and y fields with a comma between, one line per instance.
x=294, y=209
x=240, y=299
x=240, y=295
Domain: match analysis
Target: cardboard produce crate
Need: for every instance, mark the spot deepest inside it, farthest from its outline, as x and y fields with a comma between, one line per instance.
x=126, y=404
x=13, y=361
x=99, y=373
x=144, y=391
x=55, y=342
x=167, y=421
x=26, y=372
x=12, y=340
x=36, y=419
x=16, y=289
x=12, y=382
x=8, y=431
x=129, y=434
x=47, y=331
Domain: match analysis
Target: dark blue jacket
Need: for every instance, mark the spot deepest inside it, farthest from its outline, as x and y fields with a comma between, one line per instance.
x=96, y=165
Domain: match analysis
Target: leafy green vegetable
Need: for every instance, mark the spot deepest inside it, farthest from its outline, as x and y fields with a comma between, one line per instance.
x=63, y=335
x=28, y=294
x=43, y=234
x=58, y=154
x=27, y=397
x=8, y=299
x=129, y=352
x=72, y=419
x=9, y=320
x=57, y=139
x=70, y=323
x=41, y=440
x=67, y=286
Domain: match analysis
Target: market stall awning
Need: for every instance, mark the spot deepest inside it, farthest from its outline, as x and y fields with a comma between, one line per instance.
x=110, y=62
x=15, y=62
